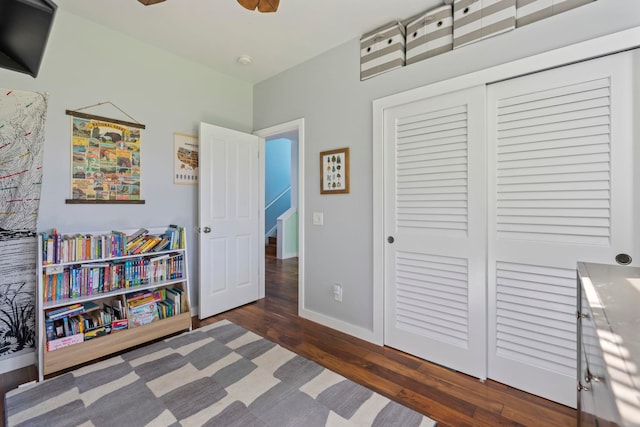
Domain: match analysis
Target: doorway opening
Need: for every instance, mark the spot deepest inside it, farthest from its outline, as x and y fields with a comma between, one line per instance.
x=283, y=187
x=281, y=195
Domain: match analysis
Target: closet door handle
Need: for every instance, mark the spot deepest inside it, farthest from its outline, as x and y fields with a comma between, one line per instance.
x=623, y=259
x=390, y=239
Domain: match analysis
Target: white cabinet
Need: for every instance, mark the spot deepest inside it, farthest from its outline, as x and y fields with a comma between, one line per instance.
x=608, y=345
x=86, y=281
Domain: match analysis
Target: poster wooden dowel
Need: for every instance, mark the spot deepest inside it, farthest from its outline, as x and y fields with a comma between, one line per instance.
x=103, y=202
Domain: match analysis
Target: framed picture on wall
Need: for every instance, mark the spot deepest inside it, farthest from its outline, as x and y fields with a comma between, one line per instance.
x=334, y=171
x=185, y=160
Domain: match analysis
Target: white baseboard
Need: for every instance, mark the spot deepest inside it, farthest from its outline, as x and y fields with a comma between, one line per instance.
x=347, y=328
x=16, y=362
x=289, y=255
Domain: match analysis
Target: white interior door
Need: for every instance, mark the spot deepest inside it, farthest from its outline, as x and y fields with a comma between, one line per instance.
x=229, y=218
x=562, y=190
x=435, y=220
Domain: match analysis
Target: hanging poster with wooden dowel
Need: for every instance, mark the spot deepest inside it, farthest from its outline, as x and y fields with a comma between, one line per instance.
x=105, y=159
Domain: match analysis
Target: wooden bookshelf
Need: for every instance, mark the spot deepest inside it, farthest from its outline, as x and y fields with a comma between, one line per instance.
x=98, y=347
x=114, y=342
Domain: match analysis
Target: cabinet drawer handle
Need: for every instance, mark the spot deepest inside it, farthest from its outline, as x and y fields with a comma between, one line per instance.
x=590, y=377
x=582, y=388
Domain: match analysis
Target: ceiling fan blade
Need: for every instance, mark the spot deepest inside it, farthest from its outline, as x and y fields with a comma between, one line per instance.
x=249, y=4
x=150, y=2
x=268, y=5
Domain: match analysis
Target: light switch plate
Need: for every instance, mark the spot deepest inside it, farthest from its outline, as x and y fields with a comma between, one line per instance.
x=318, y=218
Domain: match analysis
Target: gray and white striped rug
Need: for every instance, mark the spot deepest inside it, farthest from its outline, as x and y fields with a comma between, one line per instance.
x=218, y=375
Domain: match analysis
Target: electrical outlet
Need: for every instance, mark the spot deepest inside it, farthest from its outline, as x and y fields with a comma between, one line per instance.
x=337, y=292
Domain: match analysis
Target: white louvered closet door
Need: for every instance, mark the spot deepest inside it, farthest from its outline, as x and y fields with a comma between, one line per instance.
x=561, y=190
x=435, y=213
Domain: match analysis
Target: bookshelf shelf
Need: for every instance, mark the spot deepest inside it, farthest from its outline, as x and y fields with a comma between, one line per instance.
x=95, y=285
x=107, y=259
x=67, y=301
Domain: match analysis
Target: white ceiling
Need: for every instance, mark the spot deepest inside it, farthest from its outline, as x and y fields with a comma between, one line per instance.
x=216, y=32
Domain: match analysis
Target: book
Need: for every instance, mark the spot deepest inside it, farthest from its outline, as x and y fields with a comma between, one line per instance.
x=138, y=233
x=150, y=242
x=138, y=295
x=64, y=342
x=119, y=243
x=173, y=235
x=118, y=313
x=164, y=242
x=135, y=244
x=64, y=312
x=55, y=246
x=90, y=306
x=162, y=309
x=143, y=314
x=119, y=324
x=141, y=301
x=141, y=319
x=50, y=330
x=97, y=332
x=175, y=298
x=76, y=325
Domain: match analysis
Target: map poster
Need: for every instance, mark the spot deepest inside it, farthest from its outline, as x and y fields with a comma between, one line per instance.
x=105, y=159
x=185, y=169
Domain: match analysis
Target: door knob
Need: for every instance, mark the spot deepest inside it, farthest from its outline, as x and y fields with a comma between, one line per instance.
x=207, y=230
x=390, y=239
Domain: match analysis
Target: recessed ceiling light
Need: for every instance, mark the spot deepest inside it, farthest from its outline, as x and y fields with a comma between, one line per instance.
x=244, y=60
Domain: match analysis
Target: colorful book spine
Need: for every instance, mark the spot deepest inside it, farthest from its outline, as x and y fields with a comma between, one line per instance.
x=57, y=248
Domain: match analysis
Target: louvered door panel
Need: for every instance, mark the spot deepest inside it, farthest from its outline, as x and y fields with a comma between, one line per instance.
x=432, y=297
x=562, y=127
x=435, y=268
x=431, y=169
x=534, y=324
x=560, y=148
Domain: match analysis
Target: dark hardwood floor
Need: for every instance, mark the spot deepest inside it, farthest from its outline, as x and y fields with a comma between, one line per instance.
x=451, y=398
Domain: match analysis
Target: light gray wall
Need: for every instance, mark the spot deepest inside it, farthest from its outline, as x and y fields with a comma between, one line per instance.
x=337, y=109
x=85, y=64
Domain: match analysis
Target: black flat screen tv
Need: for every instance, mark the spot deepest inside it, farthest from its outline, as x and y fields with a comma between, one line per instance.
x=24, y=30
